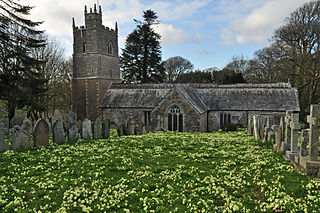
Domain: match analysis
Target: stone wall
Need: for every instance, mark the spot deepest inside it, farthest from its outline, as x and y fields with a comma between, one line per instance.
x=191, y=118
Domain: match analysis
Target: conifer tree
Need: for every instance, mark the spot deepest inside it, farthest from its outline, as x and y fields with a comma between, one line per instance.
x=141, y=58
x=21, y=83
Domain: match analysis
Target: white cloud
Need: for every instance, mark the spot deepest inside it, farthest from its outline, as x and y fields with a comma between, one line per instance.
x=257, y=25
x=171, y=35
x=203, y=51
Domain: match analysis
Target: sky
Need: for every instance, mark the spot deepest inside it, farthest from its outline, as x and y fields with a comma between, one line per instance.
x=209, y=33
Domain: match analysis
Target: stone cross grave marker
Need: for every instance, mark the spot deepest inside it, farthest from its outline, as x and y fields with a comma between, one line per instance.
x=41, y=133
x=86, y=129
x=59, y=136
x=313, y=133
x=19, y=138
x=97, y=133
x=295, y=127
x=3, y=145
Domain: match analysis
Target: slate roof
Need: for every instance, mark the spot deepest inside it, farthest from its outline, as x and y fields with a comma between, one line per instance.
x=203, y=97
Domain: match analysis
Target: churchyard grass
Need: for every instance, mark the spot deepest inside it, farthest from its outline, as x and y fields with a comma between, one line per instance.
x=160, y=172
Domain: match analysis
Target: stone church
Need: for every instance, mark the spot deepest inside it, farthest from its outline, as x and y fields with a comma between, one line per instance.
x=176, y=107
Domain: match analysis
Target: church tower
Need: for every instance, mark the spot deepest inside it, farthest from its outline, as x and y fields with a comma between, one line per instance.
x=95, y=63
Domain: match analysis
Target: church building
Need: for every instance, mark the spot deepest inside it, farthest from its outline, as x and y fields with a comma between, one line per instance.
x=97, y=91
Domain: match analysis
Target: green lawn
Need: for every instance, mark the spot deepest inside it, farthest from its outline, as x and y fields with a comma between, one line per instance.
x=158, y=172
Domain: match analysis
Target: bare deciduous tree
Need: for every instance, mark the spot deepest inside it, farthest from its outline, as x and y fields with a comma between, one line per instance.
x=175, y=66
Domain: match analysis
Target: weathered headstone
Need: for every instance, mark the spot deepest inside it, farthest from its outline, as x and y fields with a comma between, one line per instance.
x=295, y=127
x=58, y=134
x=71, y=119
x=41, y=133
x=86, y=129
x=271, y=136
x=72, y=127
x=16, y=121
x=275, y=128
x=48, y=122
x=256, y=126
x=3, y=145
x=19, y=138
x=27, y=126
x=268, y=122
x=288, y=129
x=97, y=133
x=313, y=133
x=56, y=116
x=106, y=129
x=73, y=133
x=5, y=128
x=279, y=135
x=265, y=135
x=304, y=140
x=311, y=163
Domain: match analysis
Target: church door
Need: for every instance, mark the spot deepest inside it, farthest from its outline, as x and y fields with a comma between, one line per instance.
x=175, y=119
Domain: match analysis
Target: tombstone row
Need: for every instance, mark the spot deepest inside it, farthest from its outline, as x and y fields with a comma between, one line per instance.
x=285, y=138
x=133, y=128
x=21, y=135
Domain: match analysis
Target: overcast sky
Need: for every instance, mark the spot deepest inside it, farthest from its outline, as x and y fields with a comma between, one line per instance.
x=206, y=32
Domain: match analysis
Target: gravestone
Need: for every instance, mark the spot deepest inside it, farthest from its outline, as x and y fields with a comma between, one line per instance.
x=130, y=127
x=288, y=130
x=48, y=122
x=263, y=125
x=271, y=136
x=313, y=133
x=97, y=133
x=304, y=140
x=72, y=127
x=27, y=126
x=268, y=122
x=295, y=127
x=279, y=135
x=120, y=130
x=73, y=133
x=16, y=121
x=71, y=119
x=19, y=138
x=311, y=163
x=106, y=129
x=282, y=125
x=41, y=133
x=3, y=145
x=256, y=126
x=56, y=116
x=265, y=135
x=58, y=134
x=5, y=127
x=86, y=129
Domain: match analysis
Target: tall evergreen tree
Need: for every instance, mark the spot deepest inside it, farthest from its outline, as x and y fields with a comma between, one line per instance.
x=141, y=58
x=21, y=83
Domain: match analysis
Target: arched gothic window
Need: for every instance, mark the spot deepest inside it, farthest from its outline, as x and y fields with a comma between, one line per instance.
x=175, y=119
x=110, y=48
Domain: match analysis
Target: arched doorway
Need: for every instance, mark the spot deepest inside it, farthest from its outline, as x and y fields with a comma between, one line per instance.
x=175, y=119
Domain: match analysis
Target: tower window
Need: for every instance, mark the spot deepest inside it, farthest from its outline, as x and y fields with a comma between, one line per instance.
x=84, y=47
x=110, y=48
